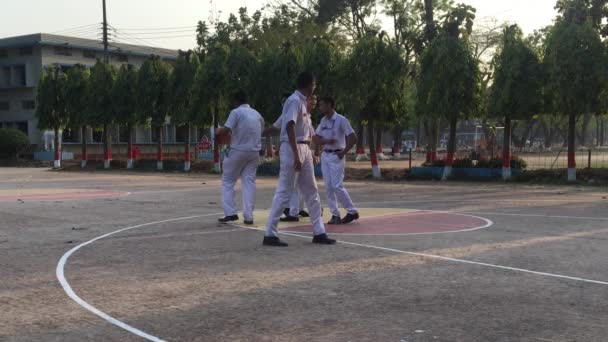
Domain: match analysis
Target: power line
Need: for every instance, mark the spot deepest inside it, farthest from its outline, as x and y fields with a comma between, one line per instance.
x=159, y=28
x=162, y=32
x=165, y=37
x=76, y=28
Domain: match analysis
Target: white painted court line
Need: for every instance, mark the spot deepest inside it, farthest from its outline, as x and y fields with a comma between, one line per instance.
x=439, y=257
x=491, y=213
x=487, y=225
x=70, y=292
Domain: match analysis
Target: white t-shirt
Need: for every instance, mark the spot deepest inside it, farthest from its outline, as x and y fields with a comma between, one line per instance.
x=338, y=128
x=295, y=110
x=247, y=126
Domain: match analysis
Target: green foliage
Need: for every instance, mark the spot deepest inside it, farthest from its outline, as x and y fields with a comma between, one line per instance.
x=496, y=163
x=12, y=142
x=76, y=95
x=449, y=79
x=370, y=80
x=51, y=109
x=517, y=88
x=153, y=94
x=182, y=85
x=211, y=86
x=100, y=94
x=575, y=60
x=124, y=96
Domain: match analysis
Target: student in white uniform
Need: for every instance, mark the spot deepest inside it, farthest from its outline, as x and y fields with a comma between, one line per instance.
x=336, y=137
x=296, y=156
x=245, y=125
x=296, y=202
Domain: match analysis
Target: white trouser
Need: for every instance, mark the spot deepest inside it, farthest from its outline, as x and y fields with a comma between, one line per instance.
x=239, y=164
x=333, y=177
x=306, y=183
x=295, y=200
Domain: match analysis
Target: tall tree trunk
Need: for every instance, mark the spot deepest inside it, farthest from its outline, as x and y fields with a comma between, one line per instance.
x=418, y=133
x=372, y=151
x=159, y=149
x=506, y=150
x=572, y=148
x=584, y=128
x=602, y=132
x=432, y=128
x=84, y=157
x=130, y=154
x=107, y=150
x=57, y=142
x=397, y=141
x=379, y=131
x=187, y=159
x=360, y=141
x=449, y=162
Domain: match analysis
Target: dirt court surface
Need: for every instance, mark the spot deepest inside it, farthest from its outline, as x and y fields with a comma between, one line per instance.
x=133, y=257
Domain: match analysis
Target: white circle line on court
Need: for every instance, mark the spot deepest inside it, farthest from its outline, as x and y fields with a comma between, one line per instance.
x=60, y=272
x=60, y=269
x=439, y=257
x=599, y=218
x=488, y=224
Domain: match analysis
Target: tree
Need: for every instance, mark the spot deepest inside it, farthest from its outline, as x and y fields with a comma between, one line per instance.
x=517, y=89
x=183, y=96
x=124, y=104
x=153, y=96
x=449, y=75
x=51, y=107
x=100, y=104
x=369, y=85
x=575, y=63
x=76, y=98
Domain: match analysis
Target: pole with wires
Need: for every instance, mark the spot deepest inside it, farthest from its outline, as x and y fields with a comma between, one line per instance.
x=105, y=34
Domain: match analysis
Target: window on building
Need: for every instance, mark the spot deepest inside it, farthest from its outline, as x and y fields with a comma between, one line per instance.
x=5, y=77
x=3, y=53
x=19, y=71
x=123, y=134
x=70, y=135
x=97, y=136
x=22, y=126
x=63, y=51
x=181, y=134
x=26, y=51
x=154, y=134
x=89, y=54
x=5, y=106
x=28, y=104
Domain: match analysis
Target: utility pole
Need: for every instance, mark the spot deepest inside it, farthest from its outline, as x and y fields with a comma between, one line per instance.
x=105, y=34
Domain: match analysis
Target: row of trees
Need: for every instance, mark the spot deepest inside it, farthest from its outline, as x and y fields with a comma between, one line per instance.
x=434, y=67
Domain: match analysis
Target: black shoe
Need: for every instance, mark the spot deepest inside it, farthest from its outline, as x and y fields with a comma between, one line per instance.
x=247, y=222
x=286, y=212
x=350, y=218
x=335, y=220
x=289, y=218
x=227, y=219
x=303, y=213
x=323, y=240
x=274, y=242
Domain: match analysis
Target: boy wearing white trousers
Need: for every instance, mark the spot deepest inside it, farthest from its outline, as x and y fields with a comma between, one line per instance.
x=336, y=137
x=245, y=125
x=296, y=156
x=296, y=202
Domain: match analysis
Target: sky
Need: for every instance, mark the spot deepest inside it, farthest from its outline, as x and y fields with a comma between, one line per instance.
x=169, y=23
